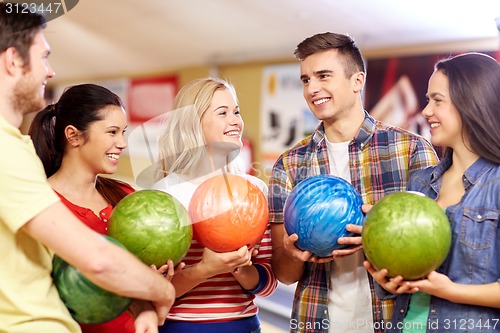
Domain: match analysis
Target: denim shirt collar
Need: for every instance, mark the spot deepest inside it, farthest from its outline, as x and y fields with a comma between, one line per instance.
x=364, y=134
x=470, y=177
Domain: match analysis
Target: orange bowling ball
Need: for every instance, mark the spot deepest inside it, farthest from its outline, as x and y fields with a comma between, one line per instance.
x=228, y=211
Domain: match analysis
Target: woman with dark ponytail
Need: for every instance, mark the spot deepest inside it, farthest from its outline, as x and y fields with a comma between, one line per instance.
x=78, y=138
x=76, y=111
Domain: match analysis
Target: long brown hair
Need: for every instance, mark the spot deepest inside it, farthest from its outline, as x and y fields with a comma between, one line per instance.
x=474, y=81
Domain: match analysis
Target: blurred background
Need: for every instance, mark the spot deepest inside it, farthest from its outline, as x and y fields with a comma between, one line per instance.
x=145, y=50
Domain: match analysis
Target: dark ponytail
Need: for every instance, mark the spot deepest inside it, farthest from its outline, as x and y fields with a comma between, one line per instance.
x=42, y=132
x=112, y=190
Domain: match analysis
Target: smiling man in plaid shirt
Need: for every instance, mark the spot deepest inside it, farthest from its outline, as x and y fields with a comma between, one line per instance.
x=336, y=294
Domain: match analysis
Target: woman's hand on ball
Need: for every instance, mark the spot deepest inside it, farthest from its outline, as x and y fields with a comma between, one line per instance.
x=215, y=263
x=395, y=285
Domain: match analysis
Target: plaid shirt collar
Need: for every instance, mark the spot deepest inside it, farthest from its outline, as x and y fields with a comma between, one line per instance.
x=364, y=134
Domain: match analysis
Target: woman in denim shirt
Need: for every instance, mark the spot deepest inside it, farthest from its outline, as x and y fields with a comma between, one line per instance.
x=463, y=295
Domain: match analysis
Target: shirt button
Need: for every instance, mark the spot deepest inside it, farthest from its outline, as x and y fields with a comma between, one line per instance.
x=401, y=311
x=102, y=213
x=105, y=220
x=479, y=217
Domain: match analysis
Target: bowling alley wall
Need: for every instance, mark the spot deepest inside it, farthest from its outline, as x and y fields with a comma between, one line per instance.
x=271, y=102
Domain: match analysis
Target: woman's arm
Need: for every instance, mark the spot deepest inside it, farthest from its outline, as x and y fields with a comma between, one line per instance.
x=211, y=264
x=259, y=278
x=441, y=286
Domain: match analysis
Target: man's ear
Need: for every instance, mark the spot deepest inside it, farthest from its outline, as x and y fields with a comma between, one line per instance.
x=358, y=81
x=73, y=135
x=12, y=61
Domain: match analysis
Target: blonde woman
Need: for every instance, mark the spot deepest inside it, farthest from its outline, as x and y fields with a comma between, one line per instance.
x=202, y=138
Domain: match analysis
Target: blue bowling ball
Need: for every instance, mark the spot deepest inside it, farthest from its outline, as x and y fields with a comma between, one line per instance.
x=318, y=210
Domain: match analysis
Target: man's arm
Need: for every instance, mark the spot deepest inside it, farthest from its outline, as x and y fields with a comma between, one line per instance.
x=102, y=262
x=288, y=261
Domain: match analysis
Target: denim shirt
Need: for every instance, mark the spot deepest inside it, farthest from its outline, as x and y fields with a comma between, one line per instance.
x=474, y=256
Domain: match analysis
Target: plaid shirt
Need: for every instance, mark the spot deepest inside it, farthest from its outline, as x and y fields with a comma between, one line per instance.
x=381, y=157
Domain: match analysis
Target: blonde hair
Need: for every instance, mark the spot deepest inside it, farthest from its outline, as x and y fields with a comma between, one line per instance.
x=181, y=145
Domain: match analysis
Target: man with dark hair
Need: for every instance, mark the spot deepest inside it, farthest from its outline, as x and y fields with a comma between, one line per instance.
x=336, y=294
x=34, y=223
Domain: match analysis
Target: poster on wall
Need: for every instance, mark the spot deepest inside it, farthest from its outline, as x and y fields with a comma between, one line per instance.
x=150, y=97
x=285, y=116
x=396, y=88
x=149, y=101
